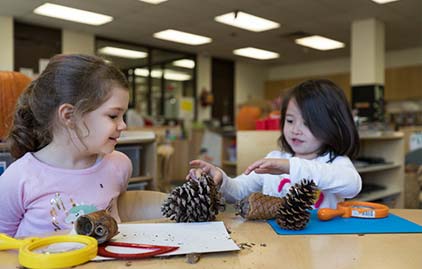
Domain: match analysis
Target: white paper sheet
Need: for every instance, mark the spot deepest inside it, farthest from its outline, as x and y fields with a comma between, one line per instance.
x=198, y=237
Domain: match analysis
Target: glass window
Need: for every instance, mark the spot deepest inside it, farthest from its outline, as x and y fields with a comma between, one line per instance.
x=159, y=79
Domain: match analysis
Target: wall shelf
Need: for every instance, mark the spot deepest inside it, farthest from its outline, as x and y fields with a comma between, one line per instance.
x=390, y=176
x=381, y=194
x=377, y=167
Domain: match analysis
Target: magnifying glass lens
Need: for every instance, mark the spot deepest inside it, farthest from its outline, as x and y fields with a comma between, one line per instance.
x=58, y=251
x=58, y=247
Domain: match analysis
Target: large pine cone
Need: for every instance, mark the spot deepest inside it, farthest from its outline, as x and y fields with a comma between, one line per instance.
x=294, y=214
x=196, y=200
x=259, y=206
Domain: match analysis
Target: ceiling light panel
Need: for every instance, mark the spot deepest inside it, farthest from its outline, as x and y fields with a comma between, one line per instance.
x=154, y=2
x=247, y=21
x=72, y=14
x=319, y=43
x=123, y=53
x=182, y=37
x=168, y=74
x=186, y=63
x=383, y=1
x=255, y=53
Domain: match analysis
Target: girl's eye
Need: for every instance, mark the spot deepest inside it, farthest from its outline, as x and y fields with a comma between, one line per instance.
x=289, y=121
x=112, y=116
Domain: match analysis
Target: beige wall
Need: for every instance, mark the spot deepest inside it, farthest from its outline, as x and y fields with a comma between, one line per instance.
x=77, y=42
x=401, y=83
x=249, y=81
x=403, y=75
x=397, y=58
x=203, y=81
x=6, y=44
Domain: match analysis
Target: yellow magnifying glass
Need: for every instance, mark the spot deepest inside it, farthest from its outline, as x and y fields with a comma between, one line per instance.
x=52, y=252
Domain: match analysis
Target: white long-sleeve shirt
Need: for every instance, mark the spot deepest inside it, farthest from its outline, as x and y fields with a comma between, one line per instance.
x=336, y=180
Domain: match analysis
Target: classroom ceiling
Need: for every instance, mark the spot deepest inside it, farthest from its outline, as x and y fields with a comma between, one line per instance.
x=136, y=21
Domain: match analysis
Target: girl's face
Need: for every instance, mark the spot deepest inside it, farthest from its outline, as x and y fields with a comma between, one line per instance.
x=101, y=128
x=297, y=134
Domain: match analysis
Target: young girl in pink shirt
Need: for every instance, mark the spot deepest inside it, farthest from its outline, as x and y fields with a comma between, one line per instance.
x=65, y=130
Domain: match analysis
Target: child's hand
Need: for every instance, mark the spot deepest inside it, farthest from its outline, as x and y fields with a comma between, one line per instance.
x=269, y=166
x=206, y=167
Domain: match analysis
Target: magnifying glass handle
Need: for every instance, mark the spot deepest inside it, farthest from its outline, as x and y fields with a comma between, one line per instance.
x=7, y=242
x=329, y=213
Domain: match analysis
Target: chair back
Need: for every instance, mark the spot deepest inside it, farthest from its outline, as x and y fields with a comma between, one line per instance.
x=140, y=205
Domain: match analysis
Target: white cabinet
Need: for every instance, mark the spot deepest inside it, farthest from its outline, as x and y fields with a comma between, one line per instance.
x=140, y=147
x=389, y=175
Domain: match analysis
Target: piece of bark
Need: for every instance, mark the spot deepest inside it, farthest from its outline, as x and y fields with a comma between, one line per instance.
x=99, y=225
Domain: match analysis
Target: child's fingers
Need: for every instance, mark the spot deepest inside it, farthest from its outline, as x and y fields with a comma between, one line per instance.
x=195, y=163
x=253, y=167
x=267, y=171
x=191, y=173
x=199, y=164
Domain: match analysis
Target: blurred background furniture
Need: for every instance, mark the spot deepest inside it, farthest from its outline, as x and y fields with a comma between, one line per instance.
x=165, y=153
x=413, y=179
x=140, y=147
x=12, y=85
x=140, y=205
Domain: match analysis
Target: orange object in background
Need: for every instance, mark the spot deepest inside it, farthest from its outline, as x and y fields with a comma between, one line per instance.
x=12, y=85
x=247, y=116
x=354, y=209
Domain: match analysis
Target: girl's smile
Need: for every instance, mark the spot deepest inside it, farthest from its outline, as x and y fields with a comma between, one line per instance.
x=297, y=142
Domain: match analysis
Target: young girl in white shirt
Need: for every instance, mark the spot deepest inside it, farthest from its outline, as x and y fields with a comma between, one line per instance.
x=318, y=139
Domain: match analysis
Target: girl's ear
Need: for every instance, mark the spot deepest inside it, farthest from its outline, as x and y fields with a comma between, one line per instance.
x=66, y=115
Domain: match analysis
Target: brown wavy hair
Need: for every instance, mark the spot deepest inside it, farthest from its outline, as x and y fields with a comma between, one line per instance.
x=327, y=114
x=80, y=80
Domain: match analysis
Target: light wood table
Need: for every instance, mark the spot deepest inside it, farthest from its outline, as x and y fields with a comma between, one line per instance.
x=269, y=250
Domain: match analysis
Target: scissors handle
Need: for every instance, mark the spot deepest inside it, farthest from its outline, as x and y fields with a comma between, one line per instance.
x=356, y=209
x=7, y=242
x=156, y=250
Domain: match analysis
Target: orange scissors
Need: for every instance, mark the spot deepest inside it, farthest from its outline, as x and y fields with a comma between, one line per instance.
x=354, y=209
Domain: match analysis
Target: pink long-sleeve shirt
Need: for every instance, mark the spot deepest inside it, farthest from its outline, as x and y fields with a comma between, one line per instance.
x=36, y=198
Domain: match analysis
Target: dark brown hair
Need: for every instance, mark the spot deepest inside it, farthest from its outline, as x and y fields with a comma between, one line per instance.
x=328, y=116
x=80, y=80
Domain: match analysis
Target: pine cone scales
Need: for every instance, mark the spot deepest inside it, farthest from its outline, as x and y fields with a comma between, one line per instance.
x=259, y=206
x=196, y=200
x=294, y=214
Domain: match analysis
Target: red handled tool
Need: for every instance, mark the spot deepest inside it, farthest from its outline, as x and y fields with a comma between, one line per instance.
x=102, y=251
x=354, y=209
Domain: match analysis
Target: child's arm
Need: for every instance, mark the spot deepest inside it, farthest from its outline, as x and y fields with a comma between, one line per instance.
x=339, y=177
x=233, y=189
x=269, y=166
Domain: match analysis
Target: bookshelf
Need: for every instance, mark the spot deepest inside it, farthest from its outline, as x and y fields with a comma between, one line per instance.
x=390, y=176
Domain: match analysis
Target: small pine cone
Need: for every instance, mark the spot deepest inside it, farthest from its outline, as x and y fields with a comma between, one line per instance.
x=196, y=200
x=258, y=206
x=294, y=214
